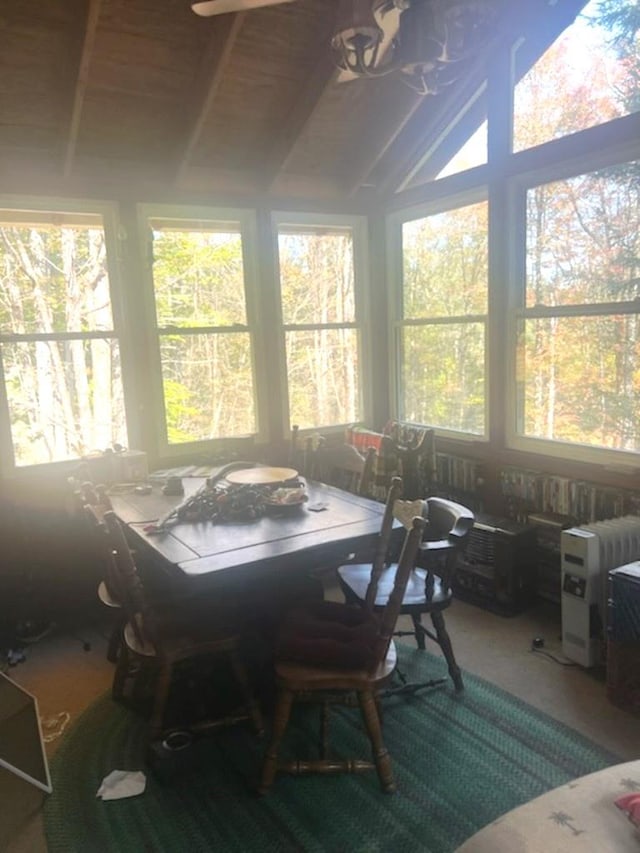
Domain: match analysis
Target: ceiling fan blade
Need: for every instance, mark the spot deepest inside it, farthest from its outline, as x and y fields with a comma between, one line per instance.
x=207, y=8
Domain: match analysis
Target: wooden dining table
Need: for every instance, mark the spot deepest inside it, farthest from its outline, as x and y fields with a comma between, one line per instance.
x=326, y=528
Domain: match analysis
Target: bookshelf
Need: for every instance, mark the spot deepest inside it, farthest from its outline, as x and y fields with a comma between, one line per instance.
x=525, y=491
x=458, y=478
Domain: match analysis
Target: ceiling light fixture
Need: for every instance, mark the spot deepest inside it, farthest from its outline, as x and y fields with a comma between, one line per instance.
x=357, y=38
x=423, y=44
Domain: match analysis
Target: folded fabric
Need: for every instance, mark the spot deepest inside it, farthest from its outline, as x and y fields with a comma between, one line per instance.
x=122, y=783
x=630, y=804
x=328, y=633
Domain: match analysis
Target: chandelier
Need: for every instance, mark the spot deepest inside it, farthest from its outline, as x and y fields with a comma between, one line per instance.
x=421, y=41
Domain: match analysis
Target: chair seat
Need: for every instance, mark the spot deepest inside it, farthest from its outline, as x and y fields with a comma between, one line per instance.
x=355, y=577
x=184, y=634
x=329, y=634
x=302, y=677
x=138, y=646
x=105, y=596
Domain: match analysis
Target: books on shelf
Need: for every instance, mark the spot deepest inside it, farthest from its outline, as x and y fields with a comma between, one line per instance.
x=458, y=472
x=531, y=491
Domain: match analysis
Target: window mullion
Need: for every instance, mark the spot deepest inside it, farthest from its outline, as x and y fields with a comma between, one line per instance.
x=600, y=309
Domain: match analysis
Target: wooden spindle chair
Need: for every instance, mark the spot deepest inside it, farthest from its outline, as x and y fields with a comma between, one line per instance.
x=335, y=650
x=429, y=587
x=91, y=502
x=158, y=638
x=344, y=466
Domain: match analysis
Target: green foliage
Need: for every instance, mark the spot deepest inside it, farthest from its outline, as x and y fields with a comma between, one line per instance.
x=198, y=278
x=64, y=395
x=622, y=19
x=445, y=277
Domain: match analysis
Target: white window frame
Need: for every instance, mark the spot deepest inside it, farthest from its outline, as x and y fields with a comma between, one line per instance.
x=616, y=460
x=395, y=221
x=192, y=216
x=108, y=211
x=359, y=230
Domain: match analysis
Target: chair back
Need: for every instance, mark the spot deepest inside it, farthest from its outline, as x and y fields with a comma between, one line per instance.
x=446, y=536
x=133, y=597
x=342, y=465
x=382, y=545
x=301, y=452
x=101, y=540
x=390, y=614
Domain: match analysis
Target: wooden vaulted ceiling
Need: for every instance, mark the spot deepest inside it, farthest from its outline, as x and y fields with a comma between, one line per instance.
x=114, y=91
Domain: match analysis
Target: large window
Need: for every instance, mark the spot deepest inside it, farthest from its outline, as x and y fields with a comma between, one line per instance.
x=320, y=262
x=60, y=354
x=204, y=333
x=441, y=315
x=578, y=377
x=590, y=75
x=565, y=261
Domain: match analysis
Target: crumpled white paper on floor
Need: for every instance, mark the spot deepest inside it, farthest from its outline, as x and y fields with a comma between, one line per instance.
x=122, y=783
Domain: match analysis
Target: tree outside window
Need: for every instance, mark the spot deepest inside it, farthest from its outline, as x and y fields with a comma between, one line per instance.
x=579, y=334
x=589, y=75
x=322, y=337
x=60, y=353
x=204, y=339
x=441, y=333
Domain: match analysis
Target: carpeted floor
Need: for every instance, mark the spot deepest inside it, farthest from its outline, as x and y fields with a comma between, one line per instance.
x=460, y=761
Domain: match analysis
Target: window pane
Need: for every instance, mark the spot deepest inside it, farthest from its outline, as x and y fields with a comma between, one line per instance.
x=580, y=380
x=590, y=75
x=316, y=276
x=53, y=278
x=323, y=373
x=198, y=278
x=443, y=376
x=65, y=398
x=445, y=263
x=208, y=386
x=583, y=238
x=473, y=153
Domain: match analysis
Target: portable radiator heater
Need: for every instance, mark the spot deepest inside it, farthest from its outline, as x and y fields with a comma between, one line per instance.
x=588, y=554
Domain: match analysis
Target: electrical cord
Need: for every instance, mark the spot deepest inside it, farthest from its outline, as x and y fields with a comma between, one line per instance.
x=540, y=651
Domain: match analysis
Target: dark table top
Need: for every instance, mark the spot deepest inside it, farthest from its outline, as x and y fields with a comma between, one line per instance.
x=295, y=537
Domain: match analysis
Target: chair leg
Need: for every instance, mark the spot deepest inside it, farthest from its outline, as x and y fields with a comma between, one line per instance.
x=242, y=678
x=418, y=630
x=447, y=649
x=379, y=706
x=324, y=731
x=115, y=641
x=374, y=730
x=121, y=673
x=280, y=721
x=163, y=684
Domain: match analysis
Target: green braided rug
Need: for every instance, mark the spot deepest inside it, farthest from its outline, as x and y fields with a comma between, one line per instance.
x=460, y=761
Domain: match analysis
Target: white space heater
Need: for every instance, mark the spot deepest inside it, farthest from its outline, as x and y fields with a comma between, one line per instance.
x=588, y=553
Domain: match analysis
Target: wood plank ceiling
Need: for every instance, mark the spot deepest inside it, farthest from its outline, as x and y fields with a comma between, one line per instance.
x=100, y=91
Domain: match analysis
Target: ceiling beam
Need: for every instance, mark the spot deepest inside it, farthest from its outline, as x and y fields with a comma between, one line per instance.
x=322, y=77
x=81, y=82
x=215, y=60
x=400, y=104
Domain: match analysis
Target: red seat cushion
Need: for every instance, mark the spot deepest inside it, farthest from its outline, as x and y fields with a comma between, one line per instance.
x=329, y=633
